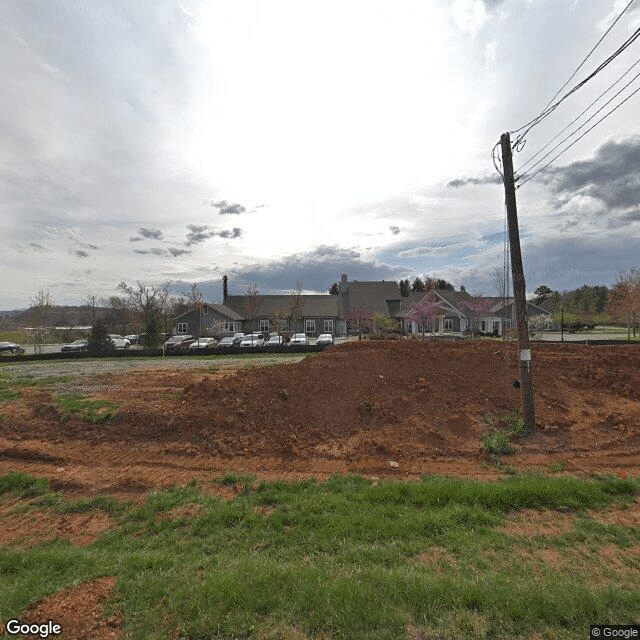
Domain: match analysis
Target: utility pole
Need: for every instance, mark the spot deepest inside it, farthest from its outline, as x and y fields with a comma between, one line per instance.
x=519, y=293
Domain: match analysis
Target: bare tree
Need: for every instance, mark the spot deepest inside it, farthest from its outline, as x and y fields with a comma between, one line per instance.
x=253, y=302
x=297, y=304
x=91, y=303
x=41, y=304
x=193, y=295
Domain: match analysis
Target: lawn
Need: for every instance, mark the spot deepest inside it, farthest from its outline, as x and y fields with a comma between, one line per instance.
x=528, y=556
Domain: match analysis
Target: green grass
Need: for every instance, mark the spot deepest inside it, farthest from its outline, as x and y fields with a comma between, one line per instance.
x=90, y=410
x=10, y=385
x=347, y=559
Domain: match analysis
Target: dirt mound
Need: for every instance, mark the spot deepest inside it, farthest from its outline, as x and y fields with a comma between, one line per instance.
x=355, y=407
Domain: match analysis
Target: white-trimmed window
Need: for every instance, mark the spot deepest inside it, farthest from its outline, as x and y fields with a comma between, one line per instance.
x=328, y=325
x=234, y=326
x=264, y=324
x=183, y=327
x=448, y=324
x=310, y=325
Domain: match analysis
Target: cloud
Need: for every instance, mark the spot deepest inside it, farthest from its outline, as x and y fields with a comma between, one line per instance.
x=147, y=232
x=610, y=180
x=175, y=252
x=234, y=209
x=395, y=230
x=224, y=207
x=156, y=251
x=463, y=182
x=200, y=232
x=442, y=250
x=80, y=253
x=317, y=268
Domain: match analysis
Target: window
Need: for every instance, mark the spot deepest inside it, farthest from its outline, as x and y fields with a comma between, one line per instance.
x=310, y=325
x=264, y=325
x=328, y=325
x=448, y=324
x=232, y=326
x=205, y=309
x=183, y=327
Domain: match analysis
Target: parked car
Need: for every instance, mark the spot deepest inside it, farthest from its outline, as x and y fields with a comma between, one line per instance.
x=252, y=340
x=118, y=341
x=299, y=338
x=274, y=341
x=202, y=343
x=76, y=345
x=134, y=338
x=325, y=339
x=227, y=343
x=237, y=338
x=178, y=342
x=10, y=347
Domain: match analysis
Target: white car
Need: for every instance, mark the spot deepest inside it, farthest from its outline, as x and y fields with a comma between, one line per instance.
x=325, y=339
x=274, y=341
x=202, y=343
x=119, y=342
x=252, y=340
x=299, y=338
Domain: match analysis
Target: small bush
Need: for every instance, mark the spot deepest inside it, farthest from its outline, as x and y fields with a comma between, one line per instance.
x=498, y=442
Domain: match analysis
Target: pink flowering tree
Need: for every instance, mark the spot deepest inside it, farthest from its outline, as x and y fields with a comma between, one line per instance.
x=477, y=309
x=359, y=320
x=424, y=313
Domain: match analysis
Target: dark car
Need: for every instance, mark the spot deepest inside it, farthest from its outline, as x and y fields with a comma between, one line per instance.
x=10, y=347
x=76, y=345
x=175, y=343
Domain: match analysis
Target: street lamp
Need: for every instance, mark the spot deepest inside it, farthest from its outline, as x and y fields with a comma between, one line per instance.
x=562, y=324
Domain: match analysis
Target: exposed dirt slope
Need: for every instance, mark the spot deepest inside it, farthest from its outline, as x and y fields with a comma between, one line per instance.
x=351, y=408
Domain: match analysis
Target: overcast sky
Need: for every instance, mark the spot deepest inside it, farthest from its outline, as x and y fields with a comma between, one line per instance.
x=284, y=140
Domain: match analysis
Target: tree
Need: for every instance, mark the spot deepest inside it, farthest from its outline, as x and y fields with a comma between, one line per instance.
x=444, y=284
x=359, y=320
x=542, y=293
x=500, y=280
x=99, y=341
x=193, y=295
x=478, y=309
x=41, y=305
x=624, y=299
x=252, y=303
x=91, y=304
x=405, y=287
x=334, y=289
x=424, y=313
x=463, y=289
x=149, y=302
x=296, y=304
x=539, y=323
x=417, y=285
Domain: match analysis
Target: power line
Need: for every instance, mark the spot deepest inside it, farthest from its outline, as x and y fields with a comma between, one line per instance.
x=577, y=139
x=535, y=155
x=549, y=109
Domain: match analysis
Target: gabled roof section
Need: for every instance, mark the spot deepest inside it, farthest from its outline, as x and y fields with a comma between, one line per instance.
x=320, y=305
x=450, y=300
x=220, y=308
x=375, y=297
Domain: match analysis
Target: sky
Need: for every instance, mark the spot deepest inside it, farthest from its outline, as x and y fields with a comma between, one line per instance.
x=284, y=141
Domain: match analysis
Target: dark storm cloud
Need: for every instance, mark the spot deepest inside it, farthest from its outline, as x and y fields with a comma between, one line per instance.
x=463, y=182
x=611, y=177
x=200, y=232
x=317, y=269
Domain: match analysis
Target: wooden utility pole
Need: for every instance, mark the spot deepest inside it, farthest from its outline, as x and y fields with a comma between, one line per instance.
x=524, y=351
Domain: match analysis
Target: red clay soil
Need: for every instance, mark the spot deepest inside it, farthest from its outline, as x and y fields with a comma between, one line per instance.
x=353, y=408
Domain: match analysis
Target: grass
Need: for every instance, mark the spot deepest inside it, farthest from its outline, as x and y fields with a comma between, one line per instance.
x=10, y=385
x=350, y=560
x=90, y=410
x=498, y=442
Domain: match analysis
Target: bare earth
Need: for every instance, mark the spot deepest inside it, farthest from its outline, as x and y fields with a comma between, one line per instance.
x=351, y=409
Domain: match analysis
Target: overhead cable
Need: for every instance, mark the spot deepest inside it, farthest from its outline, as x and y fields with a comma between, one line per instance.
x=529, y=177
x=535, y=155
